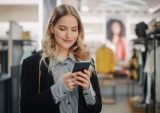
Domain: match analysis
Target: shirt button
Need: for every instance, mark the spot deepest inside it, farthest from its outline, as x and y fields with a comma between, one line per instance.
x=64, y=92
x=68, y=103
x=85, y=94
x=65, y=63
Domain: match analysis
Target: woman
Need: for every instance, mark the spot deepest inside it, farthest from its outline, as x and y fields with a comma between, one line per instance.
x=47, y=84
x=116, y=34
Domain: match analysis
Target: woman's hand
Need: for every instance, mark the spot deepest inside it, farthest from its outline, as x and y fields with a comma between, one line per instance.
x=83, y=79
x=68, y=80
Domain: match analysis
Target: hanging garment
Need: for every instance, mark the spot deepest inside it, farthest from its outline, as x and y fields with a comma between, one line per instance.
x=149, y=83
x=134, y=66
x=140, y=63
x=149, y=68
x=104, y=60
x=4, y=61
x=158, y=74
x=149, y=89
x=0, y=61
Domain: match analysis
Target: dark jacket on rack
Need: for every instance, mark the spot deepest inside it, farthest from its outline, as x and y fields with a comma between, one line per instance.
x=32, y=102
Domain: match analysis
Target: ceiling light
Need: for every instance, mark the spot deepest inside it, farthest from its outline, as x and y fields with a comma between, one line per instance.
x=84, y=8
x=153, y=10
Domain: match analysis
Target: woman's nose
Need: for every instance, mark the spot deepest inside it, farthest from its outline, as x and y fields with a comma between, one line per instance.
x=69, y=34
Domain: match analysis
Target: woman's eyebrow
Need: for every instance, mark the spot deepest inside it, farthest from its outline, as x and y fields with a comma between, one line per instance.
x=75, y=27
x=66, y=26
x=62, y=26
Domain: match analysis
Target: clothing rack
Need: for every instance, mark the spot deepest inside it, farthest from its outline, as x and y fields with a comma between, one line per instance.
x=139, y=41
x=19, y=42
x=154, y=38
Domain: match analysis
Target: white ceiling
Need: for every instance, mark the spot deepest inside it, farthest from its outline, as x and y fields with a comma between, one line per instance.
x=25, y=14
x=116, y=5
x=26, y=11
x=19, y=12
x=16, y=2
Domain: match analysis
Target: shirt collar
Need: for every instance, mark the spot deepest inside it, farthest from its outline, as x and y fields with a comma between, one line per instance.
x=71, y=56
x=57, y=61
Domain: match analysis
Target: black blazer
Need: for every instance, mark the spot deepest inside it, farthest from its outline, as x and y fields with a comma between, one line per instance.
x=32, y=102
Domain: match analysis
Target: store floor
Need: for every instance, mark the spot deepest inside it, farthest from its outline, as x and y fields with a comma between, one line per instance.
x=123, y=92
x=121, y=106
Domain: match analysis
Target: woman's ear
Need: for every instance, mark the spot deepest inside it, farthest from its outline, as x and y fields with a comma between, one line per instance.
x=52, y=28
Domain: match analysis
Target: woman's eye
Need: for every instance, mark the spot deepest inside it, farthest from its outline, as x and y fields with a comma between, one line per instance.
x=62, y=29
x=74, y=30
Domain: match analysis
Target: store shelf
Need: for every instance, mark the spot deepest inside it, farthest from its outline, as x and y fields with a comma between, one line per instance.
x=23, y=42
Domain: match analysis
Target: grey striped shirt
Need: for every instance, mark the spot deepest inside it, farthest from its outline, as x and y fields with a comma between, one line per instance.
x=68, y=99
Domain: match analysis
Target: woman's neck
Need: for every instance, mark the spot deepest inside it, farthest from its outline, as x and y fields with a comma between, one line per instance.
x=61, y=54
x=115, y=39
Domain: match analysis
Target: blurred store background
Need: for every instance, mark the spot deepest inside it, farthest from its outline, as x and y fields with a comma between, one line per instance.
x=123, y=36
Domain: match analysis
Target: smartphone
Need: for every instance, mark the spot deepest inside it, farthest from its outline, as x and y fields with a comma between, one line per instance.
x=80, y=66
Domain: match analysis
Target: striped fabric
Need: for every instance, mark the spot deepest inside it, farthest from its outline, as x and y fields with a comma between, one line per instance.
x=68, y=99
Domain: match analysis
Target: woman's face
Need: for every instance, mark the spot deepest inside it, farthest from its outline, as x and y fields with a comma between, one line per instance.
x=65, y=31
x=116, y=28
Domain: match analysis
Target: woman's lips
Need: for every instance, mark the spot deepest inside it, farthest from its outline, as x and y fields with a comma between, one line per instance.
x=68, y=41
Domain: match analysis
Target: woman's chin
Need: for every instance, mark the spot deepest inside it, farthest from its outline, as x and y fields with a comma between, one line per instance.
x=67, y=46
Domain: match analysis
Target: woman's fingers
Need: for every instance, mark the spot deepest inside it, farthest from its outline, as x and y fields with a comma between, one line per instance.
x=80, y=83
x=69, y=75
x=87, y=72
x=79, y=78
x=85, y=76
x=83, y=80
x=69, y=80
x=83, y=85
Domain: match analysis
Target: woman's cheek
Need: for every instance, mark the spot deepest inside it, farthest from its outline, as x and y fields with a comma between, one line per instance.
x=76, y=36
x=61, y=35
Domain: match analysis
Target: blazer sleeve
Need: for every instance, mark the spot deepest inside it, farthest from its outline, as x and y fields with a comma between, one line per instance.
x=97, y=107
x=31, y=101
